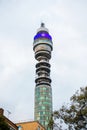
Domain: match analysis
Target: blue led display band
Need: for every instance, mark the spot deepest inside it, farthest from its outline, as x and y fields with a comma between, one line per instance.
x=42, y=35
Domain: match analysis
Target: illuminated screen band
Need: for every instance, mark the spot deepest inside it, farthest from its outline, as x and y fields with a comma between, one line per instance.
x=42, y=35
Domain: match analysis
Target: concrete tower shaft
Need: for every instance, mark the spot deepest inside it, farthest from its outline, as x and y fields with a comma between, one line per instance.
x=42, y=47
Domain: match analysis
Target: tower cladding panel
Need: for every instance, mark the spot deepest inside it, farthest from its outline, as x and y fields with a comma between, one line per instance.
x=42, y=47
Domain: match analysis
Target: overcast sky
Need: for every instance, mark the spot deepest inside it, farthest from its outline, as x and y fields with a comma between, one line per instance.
x=19, y=21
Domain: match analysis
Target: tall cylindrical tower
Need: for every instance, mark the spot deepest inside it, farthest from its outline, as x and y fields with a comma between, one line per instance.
x=42, y=47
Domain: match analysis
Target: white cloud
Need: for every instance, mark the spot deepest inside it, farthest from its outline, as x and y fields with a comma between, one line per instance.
x=14, y=58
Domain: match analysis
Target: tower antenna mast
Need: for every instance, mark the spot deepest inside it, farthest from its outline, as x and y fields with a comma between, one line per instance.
x=43, y=47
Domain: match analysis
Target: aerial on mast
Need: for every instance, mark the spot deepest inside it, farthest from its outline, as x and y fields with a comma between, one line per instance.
x=42, y=24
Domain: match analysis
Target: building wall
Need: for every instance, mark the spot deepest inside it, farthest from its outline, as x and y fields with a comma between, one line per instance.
x=10, y=123
x=30, y=126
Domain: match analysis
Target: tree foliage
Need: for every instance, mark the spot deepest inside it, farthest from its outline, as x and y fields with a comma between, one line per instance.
x=3, y=124
x=51, y=122
x=75, y=114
